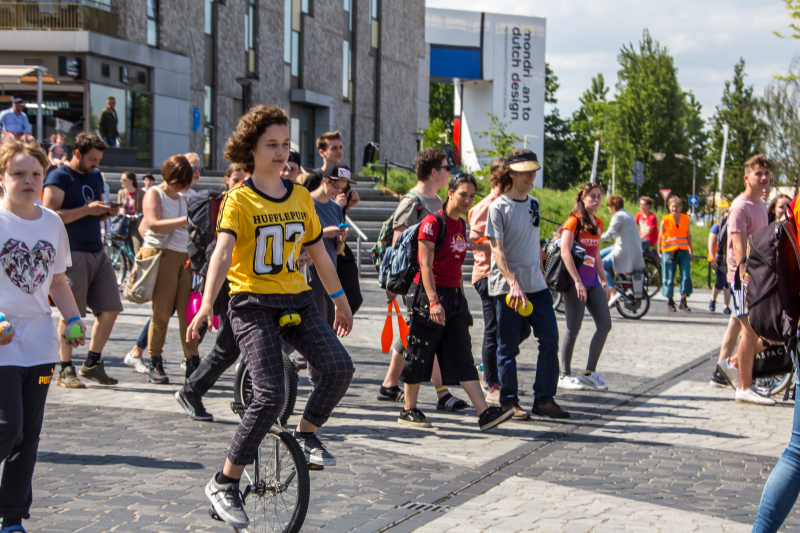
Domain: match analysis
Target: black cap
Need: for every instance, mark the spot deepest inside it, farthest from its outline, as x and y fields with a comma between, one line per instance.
x=294, y=157
x=338, y=171
x=19, y=101
x=524, y=162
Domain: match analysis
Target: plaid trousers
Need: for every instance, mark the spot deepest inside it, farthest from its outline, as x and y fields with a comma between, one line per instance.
x=254, y=318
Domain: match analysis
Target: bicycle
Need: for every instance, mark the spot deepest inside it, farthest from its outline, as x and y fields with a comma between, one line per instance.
x=120, y=250
x=629, y=305
x=652, y=269
x=278, y=486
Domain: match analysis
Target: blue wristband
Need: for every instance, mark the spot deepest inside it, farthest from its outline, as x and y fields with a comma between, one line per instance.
x=334, y=296
x=73, y=319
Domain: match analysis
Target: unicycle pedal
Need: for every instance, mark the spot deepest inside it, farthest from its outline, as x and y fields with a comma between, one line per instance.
x=315, y=467
x=213, y=514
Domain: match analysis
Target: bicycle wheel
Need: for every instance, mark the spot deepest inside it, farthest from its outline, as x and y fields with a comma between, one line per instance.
x=631, y=308
x=119, y=261
x=652, y=276
x=243, y=388
x=773, y=384
x=278, y=490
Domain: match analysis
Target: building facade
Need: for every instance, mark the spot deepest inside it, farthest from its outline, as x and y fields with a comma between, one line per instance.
x=183, y=71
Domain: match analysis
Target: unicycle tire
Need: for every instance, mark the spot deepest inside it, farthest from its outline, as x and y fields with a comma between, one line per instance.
x=243, y=388
x=278, y=508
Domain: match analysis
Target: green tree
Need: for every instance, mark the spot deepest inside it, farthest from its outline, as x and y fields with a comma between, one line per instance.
x=738, y=108
x=442, y=100
x=648, y=115
x=501, y=142
x=433, y=135
x=587, y=125
x=780, y=108
x=559, y=165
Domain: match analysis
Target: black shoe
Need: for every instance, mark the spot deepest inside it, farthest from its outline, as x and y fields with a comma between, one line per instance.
x=550, y=409
x=391, y=394
x=193, y=405
x=718, y=380
x=726, y=311
x=712, y=306
x=157, y=374
x=413, y=418
x=671, y=306
x=494, y=416
x=191, y=365
x=684, y=305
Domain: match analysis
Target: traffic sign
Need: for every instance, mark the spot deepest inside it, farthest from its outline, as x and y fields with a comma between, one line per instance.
x=694, y=199
x=637, y=179
x=638, y=168
x=665, y=193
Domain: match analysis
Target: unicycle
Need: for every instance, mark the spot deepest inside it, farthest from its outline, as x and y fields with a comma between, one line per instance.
x=277, y=491
x=243, y=389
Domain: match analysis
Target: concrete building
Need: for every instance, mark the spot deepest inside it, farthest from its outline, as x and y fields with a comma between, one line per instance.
x=183, y=71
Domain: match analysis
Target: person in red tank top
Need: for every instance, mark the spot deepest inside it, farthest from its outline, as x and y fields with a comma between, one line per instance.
x=440, y=315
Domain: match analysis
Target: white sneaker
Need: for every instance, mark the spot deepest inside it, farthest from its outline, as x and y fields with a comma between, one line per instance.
x=751, y=395
x=614, y=299
x=136, y=363
x=730, y=372
x=593, y=380
x=570, y=383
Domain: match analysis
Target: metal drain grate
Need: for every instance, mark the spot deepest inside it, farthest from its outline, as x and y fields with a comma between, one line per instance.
x=426, y=507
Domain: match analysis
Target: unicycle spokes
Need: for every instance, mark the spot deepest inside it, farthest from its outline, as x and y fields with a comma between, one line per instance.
x=279, y=486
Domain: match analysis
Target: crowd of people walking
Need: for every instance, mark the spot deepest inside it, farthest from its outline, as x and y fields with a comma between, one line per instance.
x=274, y=269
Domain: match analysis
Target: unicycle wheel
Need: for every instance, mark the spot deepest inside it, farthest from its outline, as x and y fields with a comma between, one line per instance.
x=213, y=514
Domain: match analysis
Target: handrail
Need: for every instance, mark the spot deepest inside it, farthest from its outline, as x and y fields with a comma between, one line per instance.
x=355, y=227
x=86, y=15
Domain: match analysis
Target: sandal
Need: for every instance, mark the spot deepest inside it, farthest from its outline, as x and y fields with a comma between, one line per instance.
x=391, y=394
x=448, y=402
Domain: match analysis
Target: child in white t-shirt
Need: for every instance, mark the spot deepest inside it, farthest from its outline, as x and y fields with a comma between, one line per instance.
x=34, y=254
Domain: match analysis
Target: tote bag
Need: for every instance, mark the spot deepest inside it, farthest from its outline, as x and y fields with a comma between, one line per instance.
x=142, y=281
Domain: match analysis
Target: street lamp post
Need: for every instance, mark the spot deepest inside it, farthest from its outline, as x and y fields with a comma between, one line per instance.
x=659, y=157
x=714, y=172
x=613, y=171
x=694, y=174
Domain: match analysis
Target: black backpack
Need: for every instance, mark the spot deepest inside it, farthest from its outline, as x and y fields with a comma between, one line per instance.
x=722, y=245
x=773, y=290
x=556, y=274
x=203, y=209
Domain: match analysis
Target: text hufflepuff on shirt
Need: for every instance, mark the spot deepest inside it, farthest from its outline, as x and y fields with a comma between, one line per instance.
x=269, y=233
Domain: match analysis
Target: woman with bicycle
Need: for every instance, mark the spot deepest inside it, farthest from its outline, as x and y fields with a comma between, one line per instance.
x=626, y=254
x=131, y=197
x=263, y=222
x=589, y=288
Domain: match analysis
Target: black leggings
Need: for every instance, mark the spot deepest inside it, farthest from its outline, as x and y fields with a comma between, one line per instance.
x=22, y=398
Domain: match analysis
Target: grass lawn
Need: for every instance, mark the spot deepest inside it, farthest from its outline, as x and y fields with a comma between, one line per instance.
x=556, y=206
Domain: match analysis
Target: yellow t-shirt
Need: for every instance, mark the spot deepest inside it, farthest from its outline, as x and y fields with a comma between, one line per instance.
x=269, y=233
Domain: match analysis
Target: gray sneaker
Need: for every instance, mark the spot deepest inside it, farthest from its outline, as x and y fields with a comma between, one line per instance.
x=68, y=379
x=97, y=373
x=314, y=450
x=227, y=503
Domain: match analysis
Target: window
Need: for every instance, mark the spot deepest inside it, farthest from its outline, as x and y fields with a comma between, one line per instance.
x=292, y=20
x=141, y=78
x=209, y=16
x=374, y=10
x=208, y=129
x=347, y=63
x=152, y=23
x=346, y=69
x=305, y=6
x=249, y=36
x=105, y=70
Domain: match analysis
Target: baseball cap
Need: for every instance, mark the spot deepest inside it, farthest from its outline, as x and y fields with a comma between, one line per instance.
x=19, y=101
x=294, y=157
x=338, y=171
x=524, y=162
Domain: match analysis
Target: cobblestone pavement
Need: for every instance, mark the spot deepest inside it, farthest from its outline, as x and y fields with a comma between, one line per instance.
x=660, y=451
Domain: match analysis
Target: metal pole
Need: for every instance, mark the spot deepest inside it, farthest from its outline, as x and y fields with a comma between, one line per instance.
x=39, y=104
x=613, y=174
x=637, y=194
x=658, y=174
x=385, y=172
x=694, y=182
x=594, y=161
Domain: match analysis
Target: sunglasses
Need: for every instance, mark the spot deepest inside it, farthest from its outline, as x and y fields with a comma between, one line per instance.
x=444, y=167
x=463, y=176
x=198, y=169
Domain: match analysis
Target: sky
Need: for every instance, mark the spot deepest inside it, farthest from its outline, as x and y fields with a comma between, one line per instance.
x=705, y=37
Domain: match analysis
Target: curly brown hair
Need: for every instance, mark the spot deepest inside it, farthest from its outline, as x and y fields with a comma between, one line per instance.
x=427, y=160
x=240, y=145
x=86, y=141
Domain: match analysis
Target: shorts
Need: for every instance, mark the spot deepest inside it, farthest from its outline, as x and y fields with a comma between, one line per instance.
x=451, y=342
x=722, y=282
x=94, y=283
x=738, y=300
